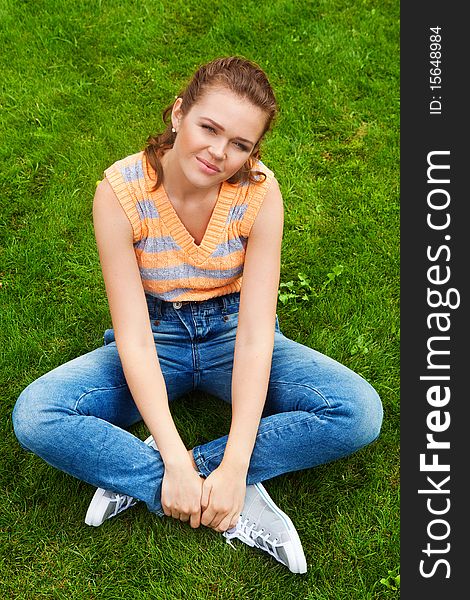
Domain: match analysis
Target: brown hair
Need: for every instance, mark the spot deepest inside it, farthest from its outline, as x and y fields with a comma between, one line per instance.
x=239, y=75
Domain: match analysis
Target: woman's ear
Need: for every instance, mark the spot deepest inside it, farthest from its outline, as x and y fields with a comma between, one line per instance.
x=176, y=113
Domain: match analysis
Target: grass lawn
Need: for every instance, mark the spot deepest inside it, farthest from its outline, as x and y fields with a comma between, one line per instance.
x=83, y=84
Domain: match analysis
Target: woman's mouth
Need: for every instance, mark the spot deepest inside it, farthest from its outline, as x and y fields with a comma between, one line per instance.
x=207, y=167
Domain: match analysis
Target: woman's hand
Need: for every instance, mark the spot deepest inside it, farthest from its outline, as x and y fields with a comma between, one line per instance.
x=223, y=496
x=181, y=494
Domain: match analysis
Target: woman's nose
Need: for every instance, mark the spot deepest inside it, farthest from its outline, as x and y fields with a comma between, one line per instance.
x=218, y=152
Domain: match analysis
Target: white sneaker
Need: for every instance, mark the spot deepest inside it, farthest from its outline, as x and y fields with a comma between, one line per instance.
x=105, y=504
x=262, y=524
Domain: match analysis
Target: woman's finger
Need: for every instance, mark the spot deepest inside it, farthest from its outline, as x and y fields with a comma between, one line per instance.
x=195, y=519
x=206, y=492
x=208, y=516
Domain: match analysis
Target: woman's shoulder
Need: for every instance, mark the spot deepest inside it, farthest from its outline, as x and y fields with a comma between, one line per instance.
x=129, y=168
x=253, y=193
x=127, y=179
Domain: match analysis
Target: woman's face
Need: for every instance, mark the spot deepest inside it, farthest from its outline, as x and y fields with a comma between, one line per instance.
x=216, y=136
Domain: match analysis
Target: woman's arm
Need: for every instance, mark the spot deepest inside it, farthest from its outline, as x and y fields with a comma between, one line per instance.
x=252, y=363
x=255, y=333
x=136, y=347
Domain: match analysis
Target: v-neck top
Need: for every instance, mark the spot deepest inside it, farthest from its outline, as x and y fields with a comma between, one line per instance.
x=172, y=266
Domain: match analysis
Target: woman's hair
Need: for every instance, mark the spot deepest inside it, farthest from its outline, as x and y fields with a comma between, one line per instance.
x=239, y=75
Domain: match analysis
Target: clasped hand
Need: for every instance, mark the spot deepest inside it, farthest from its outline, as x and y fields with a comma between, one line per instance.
x=215, y=502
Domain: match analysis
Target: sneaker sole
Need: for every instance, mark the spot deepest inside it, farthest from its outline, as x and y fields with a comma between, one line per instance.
x=98, y=497
x=299, y=558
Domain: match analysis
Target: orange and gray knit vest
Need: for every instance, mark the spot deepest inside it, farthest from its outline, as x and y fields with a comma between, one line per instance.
x=172, y=266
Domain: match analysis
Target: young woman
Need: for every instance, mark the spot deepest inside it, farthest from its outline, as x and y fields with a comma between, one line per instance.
x=189, y=236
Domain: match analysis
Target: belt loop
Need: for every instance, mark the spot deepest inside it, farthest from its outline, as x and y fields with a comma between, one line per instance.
x=158, y=308
x=223, y=304
x=151, y=305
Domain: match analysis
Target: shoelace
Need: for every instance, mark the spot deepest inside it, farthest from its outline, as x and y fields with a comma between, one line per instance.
x=122, y=503
x=247, y=533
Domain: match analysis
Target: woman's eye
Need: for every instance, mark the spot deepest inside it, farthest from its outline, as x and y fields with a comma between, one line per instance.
x=241, y=146
x=209, y=128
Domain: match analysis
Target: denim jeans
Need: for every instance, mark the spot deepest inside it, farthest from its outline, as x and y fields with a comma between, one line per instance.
x=75, y=417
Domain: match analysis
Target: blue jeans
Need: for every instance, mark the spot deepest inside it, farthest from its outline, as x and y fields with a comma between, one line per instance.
x=75, y=417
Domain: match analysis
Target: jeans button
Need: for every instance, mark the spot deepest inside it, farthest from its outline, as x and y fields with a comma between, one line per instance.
x=177, y=305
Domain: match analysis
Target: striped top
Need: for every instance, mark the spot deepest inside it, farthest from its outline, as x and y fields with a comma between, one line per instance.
x=172, y=266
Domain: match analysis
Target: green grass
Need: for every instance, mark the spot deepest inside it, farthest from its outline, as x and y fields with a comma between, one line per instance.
x=83, y=84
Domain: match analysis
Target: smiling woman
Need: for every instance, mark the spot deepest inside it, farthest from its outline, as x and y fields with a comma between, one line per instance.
x=216, y=143
x=208, y=151
x=247, y=83
x=189, y=235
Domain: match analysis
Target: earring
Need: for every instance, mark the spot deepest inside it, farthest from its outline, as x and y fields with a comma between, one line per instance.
x=173, y=130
